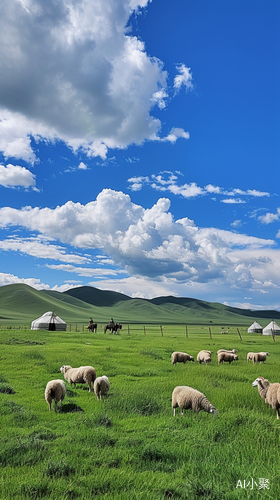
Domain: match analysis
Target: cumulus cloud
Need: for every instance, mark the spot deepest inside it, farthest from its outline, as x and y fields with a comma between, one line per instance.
x=14, y=175
x=83, y=79
x=269, y=217
x=149, y=242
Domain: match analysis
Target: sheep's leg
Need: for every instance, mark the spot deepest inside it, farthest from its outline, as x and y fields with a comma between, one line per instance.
x=277, y=413
x=174, y=412
x=182, y=411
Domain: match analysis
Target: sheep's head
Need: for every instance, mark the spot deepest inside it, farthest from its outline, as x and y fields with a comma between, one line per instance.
x=65, y=368
x=262, y=382
x=213, y=410
x=191, y=358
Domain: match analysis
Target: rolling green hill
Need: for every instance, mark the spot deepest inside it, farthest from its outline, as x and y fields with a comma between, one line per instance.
x=21, y=304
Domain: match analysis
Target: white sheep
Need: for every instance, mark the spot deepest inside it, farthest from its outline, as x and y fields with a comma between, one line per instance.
x=269, y=392
x=258, y=357
x=249, y=356
x=204, y=357
x=234, y=351
x=229, y=357
x=101, y=386
x=55, y=389
x=81, y=375
x=187, y=398
x=180, y=357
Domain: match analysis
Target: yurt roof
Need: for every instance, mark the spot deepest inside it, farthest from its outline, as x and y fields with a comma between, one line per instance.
x=254, y=326
x=50, y=315
x=271, y=326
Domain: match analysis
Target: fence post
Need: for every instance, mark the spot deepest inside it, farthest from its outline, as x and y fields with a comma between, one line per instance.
x=210, y=332
x=161, y=330
x=186, y=331
x=144, y=330
x=239, y=333
x=128, y=329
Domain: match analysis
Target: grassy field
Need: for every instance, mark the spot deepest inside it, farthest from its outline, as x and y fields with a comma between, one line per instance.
x=129, y=446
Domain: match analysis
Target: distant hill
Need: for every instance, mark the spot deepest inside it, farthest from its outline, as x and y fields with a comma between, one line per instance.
x=96, y=297
x=21, y=304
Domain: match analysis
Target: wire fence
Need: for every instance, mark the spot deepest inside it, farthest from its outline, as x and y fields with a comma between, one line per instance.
x=150, y=329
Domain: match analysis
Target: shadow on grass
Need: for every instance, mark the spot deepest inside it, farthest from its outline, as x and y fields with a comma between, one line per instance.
x=70, y=408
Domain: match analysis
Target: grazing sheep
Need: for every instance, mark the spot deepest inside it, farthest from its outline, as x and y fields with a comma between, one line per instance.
x=180, y=357
x=250, y=356
x=269, y=392
x=187, y=398
x=101, y=386
x=234, y=351
x=258, y=357
x=229, y=357
x=204, y=357
x=81, y=375
x=55, y=389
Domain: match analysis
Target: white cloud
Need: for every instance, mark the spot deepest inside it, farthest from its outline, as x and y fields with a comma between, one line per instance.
x=82, y=166
x=184, y=78
x=149, y=243
x=9, y=279
x=83, y=79
x=40, y=250
x=85, y=271
x=168, y=181
x=236, y=223
x=233, y=200
x=268, y=218
x=14, y=175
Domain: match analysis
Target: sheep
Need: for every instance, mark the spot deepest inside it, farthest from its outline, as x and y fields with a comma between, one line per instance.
x=234, y=351
x=101, y=386
x=81, y=375
x=258, y=357
x=204, y=357
x=249, y=356
x=227, y=356
x=187, y=398
x=55, y=389
x=269, y=392
x=180, y=357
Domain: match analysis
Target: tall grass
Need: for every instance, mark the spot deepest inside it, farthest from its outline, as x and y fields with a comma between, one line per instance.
x=130, y=446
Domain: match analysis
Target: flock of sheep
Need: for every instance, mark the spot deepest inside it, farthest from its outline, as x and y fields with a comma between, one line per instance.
x=228, y=356
x=187, y=398
x=56, y=390
x=183, y=397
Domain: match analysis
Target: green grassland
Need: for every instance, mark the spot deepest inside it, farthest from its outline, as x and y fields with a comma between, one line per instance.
x=129, y=446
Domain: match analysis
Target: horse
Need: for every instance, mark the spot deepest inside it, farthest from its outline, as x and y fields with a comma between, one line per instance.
x=113, y=327
x=92, y=327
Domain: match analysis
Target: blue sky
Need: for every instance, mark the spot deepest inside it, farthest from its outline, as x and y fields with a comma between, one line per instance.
x=139, y=147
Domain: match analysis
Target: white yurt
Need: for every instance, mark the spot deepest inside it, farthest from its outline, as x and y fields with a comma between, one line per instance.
x=49, y=321
x=271, y=329
x=255, y=328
